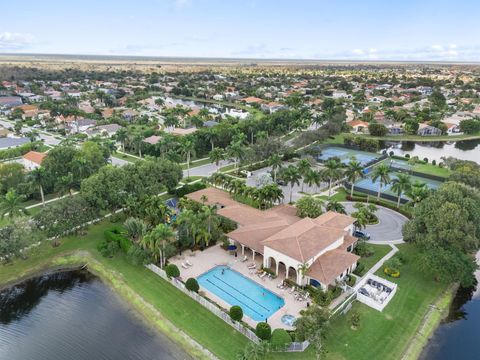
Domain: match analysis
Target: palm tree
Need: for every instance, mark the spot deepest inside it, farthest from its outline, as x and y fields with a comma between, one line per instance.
x=236, y=151
x=138, y=141
x=400, y=185
x=11, y=205
x=135, y=229
x=275, y=162
x=217, y=155
x=302, y=269
x=186, y=217
x=417, y=192
x=312, y=177
x=332, y=171
x=156, y=241
x=122, y=136
x=382, y=173
x=38, y=178
x=188, y=148
x=211, y=135
x=303, y=167
x=353, y=172
x=292, y=176
x=336, y=207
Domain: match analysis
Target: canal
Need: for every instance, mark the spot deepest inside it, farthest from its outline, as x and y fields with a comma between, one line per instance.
x=73, y=315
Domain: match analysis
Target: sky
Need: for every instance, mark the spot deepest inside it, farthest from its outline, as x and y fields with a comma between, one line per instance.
x=405, y=30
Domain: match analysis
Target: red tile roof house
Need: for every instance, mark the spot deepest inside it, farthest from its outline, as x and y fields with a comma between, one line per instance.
x=288, y=243
x=33, y=160
x=358, y=126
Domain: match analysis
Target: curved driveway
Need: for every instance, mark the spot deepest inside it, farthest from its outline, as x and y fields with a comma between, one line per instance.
x=389, y=228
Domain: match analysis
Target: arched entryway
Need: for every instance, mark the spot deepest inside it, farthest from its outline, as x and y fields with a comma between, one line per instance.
x=272, y=264
x=292, y=274
x=281, y=270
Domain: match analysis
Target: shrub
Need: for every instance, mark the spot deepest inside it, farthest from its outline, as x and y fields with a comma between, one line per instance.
x=434, y=162
x=236, y=313
x=355, y=319
x=351, y=280
x=363, y=250
x=172, y=271
x=407, y=156
x=108, y=248
x=392, y=272
x=393, y=263
x=425, y=159
x=359, y=270
x=323, y=298
x=335, y=292
x=280, y=337
x=263, y=331
x=114, y=234
x=138, y=256
x=192, y=285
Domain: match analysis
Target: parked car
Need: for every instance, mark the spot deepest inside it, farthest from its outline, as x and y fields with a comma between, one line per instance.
x=361, y=234
x=281, y=182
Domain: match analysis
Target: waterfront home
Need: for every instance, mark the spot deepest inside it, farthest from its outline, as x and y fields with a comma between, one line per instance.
x=428, y=130
x=306, y=251
x=358, y=126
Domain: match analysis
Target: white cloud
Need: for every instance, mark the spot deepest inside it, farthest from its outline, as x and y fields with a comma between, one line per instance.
x=14, y=41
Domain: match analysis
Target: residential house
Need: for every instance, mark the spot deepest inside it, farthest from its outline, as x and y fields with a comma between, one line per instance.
x=272, y=107
x=12, y=142
x=358, y=126
x=152, y=140
x=428, y=130
x=8, y=102
x=33, y=160
x=108, y=130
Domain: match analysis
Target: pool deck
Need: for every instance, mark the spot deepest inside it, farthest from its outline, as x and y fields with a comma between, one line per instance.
x=203, y=261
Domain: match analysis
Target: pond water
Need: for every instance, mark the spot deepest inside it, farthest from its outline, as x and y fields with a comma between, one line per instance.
x=457, y=336
x=464, y=150
x=73, y=315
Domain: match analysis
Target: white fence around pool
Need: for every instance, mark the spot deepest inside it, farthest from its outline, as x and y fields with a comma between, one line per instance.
x=293, y=347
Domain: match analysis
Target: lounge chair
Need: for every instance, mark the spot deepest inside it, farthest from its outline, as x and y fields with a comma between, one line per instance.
x=292, y=290
x=184, y=266
x=188, y=263
x=253, y=266
x=245, y=258
x=263, y=275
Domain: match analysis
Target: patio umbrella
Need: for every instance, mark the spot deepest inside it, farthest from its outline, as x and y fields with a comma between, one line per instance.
x=232, y=247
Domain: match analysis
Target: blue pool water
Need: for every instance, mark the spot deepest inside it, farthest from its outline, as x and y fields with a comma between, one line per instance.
x=257, y=302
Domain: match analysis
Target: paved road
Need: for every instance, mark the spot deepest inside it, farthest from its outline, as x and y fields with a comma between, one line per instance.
x=205, y=170
x=118, y=162
x=48, y=139
x=389, y=228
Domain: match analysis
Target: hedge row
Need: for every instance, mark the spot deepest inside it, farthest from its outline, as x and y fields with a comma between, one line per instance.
x=19, y=151
x=386, y=204
x=189, y=188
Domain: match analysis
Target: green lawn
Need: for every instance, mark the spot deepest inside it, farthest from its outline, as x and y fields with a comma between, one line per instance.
x=380, y=252
x=422, y=138
x=196, y=321
x=432, y=170
x=386, y=335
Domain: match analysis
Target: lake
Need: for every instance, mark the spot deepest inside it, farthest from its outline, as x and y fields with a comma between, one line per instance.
x=457, y=336
x=73, y=315
x=464, y=150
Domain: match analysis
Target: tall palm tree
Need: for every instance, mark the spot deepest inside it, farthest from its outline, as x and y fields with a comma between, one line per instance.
x=122, y=136
x=275, y=161
x=11, y=205
x=400, y=185
x=303, y=167
x=312, y=178
x=186, y=217
x=292, y=176
x=38, y=177
x=217, y=155
x=381, y=173
x=332, y=172
x=353, y=172
x=138, y=141
x=188, y=148
x=156, y=241
x=236, y=151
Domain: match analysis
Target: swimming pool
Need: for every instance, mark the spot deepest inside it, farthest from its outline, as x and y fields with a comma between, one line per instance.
x=257, y=302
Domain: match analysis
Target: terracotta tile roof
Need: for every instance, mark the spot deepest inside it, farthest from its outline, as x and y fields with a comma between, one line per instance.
x=154, y=139
x=330, y=265
x=334, y=220
x=304, y=239
x=253, y=99
x=35, y=157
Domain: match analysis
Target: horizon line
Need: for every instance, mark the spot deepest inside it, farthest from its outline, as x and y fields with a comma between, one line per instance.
x=239, y=59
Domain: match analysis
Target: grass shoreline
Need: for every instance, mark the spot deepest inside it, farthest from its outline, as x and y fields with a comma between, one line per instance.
x=420, y=138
